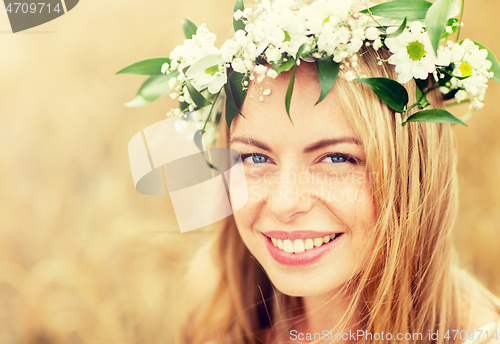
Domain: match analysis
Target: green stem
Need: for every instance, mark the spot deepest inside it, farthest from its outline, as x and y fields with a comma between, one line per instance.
x=408, y=110
x=461, y=16
x=210, y=113
x=375, y=20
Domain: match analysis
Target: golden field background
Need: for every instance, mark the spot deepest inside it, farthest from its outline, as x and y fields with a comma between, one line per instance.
x=84, y=258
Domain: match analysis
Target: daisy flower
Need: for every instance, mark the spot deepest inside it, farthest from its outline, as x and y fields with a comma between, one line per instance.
x=470, y=62
x=413, y=54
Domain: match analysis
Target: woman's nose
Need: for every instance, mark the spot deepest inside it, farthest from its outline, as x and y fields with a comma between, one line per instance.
x=289, y=198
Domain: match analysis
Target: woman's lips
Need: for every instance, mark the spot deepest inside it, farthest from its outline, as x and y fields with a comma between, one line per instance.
x=300, y=248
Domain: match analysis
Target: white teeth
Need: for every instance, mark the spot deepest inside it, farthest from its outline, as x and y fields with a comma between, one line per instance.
x=309, y=244
x=298, y=246
x=318, y=242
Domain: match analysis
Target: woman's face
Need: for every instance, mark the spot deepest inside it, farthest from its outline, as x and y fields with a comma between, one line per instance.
x=310, y=211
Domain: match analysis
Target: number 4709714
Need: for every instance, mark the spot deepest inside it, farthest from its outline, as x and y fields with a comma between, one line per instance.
x=21, y=7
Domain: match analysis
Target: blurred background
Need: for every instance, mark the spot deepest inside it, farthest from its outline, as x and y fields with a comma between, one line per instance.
x=84, y=258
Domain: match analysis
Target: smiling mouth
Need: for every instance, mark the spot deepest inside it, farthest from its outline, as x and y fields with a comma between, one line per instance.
x=298, y=246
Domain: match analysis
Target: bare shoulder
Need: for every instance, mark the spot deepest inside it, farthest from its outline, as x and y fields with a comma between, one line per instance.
x=484, y=324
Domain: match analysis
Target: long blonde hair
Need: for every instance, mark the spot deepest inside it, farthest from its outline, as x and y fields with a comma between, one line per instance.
x=412, y=283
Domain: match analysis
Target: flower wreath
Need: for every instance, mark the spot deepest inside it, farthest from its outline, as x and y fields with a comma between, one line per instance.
x=330, y=33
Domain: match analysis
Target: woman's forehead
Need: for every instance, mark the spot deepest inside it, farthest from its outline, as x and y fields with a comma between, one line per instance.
x=266, y=118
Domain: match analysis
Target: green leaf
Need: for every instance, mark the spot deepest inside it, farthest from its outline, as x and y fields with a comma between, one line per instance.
x=291, y=83
x=328, y=70
x=189, y=28
x=399, y=9
x=301, y=50
x=239, y=91
x=436, y=20
x=204, y=63
x=282, y=66
x=399, y=30
x=420, y=93
x=235, y=94
x=452, y=22
x=146, y=67
x=154, y=87
x=422, y=99
x=231, y=109
x=197, y=97
x=495, y=66
x=434, y=116
x=289, y=91
x=389, y=91
x=238, y=24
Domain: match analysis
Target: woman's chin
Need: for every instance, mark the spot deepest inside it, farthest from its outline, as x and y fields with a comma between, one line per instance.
x=301, y=290
x=302, y=285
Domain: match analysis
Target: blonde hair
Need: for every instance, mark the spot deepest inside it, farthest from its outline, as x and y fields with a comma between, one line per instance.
x=412, y=283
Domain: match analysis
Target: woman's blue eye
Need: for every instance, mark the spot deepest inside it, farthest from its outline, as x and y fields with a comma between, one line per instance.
x=335, y=159
x=256, y=158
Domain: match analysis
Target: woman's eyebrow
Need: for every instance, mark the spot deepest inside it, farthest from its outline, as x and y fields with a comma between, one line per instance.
x=311, y=148
x=330, y=142
x=251, y=142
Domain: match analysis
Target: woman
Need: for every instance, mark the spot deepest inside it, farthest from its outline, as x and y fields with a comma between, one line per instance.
x=390, y=200
x=347, y=234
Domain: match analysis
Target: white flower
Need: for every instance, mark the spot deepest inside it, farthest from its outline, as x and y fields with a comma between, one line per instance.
x=213, y=78
x=477, y=102
x=350, y=75
x=340, y=32
x=239, y=66
x=444, y=55
x=372, y=33
x=413, y=54
x=277, y=30
x=260, y=69
x=471, y=54
x=272, y=73
x=461, y=95
x=228, y=50
x=238, y=14
x=323, y=13
x=471, y=71
x=274, y=53
x=199, y=46
x=194, y=49
x=165, y=67
x=172, y=82
x=377, y=44
x=470, y=63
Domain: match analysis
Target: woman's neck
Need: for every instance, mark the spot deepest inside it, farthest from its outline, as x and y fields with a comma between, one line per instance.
x=323, y=313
